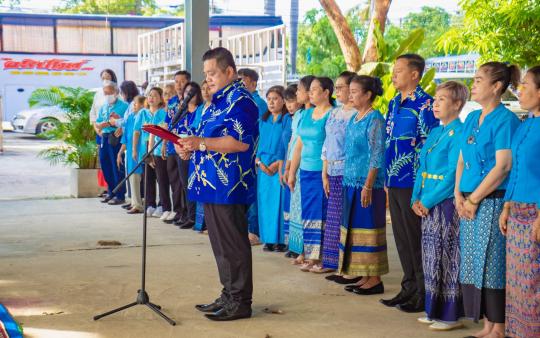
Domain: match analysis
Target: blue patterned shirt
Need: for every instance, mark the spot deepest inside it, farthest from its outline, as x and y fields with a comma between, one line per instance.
x=333, y=149
x=364, y=150
x=172, y=109
x=408, y=124
x=219, y=178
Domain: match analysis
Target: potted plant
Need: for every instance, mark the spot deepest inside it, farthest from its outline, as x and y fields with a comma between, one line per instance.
x=78, y=148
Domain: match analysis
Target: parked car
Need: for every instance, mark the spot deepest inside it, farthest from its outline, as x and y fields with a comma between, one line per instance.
x=509, y=100
x=38, y=120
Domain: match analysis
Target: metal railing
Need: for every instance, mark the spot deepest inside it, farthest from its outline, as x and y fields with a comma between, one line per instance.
x=161, y=48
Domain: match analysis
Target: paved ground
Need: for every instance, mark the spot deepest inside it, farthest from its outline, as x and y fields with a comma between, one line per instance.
x=54, y=278
x=24, y=175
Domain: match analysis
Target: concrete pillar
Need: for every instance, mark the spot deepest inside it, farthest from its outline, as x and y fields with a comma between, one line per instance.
x=196, y=36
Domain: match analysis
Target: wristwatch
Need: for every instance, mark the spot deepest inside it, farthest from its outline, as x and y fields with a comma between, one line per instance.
x=202, y=145
x=258, y=163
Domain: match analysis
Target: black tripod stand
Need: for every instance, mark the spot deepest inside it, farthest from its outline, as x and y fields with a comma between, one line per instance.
x=142, y=296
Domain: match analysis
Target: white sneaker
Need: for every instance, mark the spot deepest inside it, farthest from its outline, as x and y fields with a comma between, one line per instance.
x=171, y=216
x=150, y=211
x=164, y=215
x=158, y=212
x=425, y=320
x=445, y=326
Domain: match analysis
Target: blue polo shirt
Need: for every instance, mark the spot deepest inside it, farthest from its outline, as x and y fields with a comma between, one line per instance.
x=524, y=183
x=159, y=119
x=219, y=178
x=408, y=124
x=119, y=107
x=172, y=109
x=479, y=144
x=436, y=176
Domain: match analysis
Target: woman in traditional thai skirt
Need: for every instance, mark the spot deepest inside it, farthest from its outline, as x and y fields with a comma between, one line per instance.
x=481, y=180
x=362, y=251
x=294, y=108
x=333, y=156
x=270, y=152
x=296, y=230
x=307, y=157
x=520, y=219
x=433, y=200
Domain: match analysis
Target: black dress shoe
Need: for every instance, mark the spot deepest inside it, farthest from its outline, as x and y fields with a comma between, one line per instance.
x=106, y=199
x=400, y=298
x=223, y=315
x=268, y=247
x=414, y=305
x=280, y=248
x=211, y=308
x=126, y=206
x=187, y=225
x=342, y=280
x=374, y=290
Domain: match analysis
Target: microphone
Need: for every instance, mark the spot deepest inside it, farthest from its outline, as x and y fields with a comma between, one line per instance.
x=182, y=110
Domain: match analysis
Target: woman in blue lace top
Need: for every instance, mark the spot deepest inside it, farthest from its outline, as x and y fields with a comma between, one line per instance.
x=363, y=254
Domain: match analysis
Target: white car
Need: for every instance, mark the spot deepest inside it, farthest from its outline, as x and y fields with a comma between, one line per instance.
x=38, y=120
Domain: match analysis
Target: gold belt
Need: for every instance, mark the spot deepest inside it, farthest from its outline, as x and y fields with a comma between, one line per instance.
x=425, y=176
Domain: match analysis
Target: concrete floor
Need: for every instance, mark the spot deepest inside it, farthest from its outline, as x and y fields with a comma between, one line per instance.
x=54, y=278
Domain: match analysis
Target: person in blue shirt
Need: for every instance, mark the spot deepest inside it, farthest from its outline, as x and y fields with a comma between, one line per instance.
x=185, y=127
x=520, y=218
x=250, y=78
x=333, y=156
x=270, y=153
x=307, y=157
x=408, y=123
x=179, y=213
x=481, y=180
x=295, y=239
x=132, y=155
x=433, y=200
x=363, y=254
x=110, y=142
x=222, y=176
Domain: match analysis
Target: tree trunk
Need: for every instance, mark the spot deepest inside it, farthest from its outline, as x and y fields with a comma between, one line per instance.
x=343, y=32
x=294, y=34
x=379, y=12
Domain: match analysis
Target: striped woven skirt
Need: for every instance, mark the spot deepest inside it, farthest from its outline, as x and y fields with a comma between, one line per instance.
x=483, y=263
x=440, y=260
x=286, y=200
x=296, y=231
x=330, y=251
x=522, y=273
x=314, y=205
x=362, y=247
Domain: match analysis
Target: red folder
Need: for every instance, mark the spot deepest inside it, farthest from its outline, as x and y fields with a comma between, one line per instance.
x=162, y=132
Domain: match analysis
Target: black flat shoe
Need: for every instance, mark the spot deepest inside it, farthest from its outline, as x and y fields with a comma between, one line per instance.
x=351, y=288
x=374, y=290
x=106, y=199
x=342, y=280
x=414, y=305
x=126, y=206
x=392, y=302
x=224, y=316
x=268, y=247
x=187, y=225
x=280, y=248
x=211, y=308
x=291, y=254
x=116, y=201
x=332, y=277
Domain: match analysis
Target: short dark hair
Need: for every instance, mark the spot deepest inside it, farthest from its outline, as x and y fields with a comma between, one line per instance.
x=369, y=84
x=501, y=72
x=129, y=89
x=198, y=92
x=253, y=76
x=290, y=92
x=415, y=62
x=111, y=73
x=223, y=57
x=306, y=81
x=184, y=73
x=347, y=76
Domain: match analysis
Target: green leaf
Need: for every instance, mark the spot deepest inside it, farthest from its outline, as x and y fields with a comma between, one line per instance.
x=428, y=77
x=411, y=44
x=382, y=50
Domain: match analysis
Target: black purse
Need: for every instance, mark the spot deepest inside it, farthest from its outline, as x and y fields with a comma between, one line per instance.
x=113, y=140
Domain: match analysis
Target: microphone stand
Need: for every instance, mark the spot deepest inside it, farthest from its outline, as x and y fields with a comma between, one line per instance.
x=142, y=295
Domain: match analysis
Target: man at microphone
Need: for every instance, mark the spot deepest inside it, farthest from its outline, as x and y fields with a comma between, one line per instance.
x=222, y=177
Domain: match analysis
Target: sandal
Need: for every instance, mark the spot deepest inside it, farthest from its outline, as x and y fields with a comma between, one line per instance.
x=306, y=266
x=298, y=260
x=319, y=269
